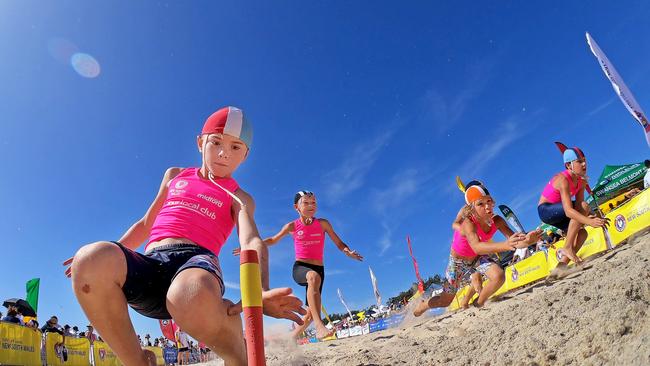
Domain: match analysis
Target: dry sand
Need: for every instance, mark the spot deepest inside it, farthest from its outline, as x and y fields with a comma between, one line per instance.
x=598, y=316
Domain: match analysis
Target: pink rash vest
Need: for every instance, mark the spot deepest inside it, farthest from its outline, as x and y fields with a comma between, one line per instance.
x=553, y=195
x=460, y=244
x=197, y=210
x=309, y=240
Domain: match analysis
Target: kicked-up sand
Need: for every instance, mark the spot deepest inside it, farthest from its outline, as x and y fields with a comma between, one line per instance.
x=597, y=316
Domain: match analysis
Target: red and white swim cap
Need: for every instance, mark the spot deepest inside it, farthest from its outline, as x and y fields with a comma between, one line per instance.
x=230, y=121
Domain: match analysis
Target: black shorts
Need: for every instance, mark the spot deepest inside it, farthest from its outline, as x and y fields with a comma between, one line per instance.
x=150, y=275
x=300, y=270
x=184, y=349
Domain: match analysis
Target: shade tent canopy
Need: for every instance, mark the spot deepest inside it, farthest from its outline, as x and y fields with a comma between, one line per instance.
x=617, y=178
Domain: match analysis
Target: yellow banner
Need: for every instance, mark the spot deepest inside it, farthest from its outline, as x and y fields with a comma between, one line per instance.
x=594, y=244
x=526, y=271
x=160, y=360
x=103, y=355
x=19, y=345
x=630, y=218
x=78, y=350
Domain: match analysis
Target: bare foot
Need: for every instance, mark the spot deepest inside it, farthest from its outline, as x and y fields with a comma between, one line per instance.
x=421, y=308
x=323, y=332
x=566, y=252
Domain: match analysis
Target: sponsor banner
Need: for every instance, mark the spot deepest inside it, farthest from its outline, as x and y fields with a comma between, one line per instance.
x=19, y=345
x=355, y=331
x=594, y=244
x=630, y=218
x=365, y=329
x=526, y=271
x=104, y=356
x=160, y=360
x=170, y=355
x=378, y=325
x=343, y=333
x=76, y=351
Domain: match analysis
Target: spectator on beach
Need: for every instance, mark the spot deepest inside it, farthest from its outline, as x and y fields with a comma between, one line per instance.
x=183, y=345
x=67, y=330
x=52, y=326
x=12, y=316
x=646, y=178
x=32, y=323
x=75, y=331
x=90, y=334
x=147, y=340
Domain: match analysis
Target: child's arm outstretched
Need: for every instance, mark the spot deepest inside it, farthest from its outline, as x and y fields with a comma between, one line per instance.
x=530, y=238
x=339, y=243
x=286, y=229
x=514, y=241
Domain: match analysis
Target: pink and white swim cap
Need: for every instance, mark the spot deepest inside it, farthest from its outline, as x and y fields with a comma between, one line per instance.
x=230, y=121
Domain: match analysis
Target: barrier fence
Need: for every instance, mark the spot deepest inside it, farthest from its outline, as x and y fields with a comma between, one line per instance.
x=20, y=345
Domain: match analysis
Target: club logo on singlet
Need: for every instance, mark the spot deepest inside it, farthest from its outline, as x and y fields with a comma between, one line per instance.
x=620, y=223
x=180, y=184
x=300, y=233
x=515, y=274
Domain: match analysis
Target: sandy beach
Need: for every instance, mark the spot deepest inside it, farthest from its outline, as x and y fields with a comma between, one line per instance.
x=598, y=316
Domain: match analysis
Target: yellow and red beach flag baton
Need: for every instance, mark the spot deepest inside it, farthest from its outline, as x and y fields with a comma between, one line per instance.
x=251, y=299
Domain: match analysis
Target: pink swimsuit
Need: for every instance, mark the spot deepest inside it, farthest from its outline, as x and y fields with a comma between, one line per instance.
x=460, y=244
x=553, y=195
x=197, y=210
x=309, y=240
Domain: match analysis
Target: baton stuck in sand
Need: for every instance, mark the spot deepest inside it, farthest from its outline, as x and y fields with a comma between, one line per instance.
x=251, y=298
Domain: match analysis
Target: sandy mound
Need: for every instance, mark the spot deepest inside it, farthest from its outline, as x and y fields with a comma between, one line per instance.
x=594, y=317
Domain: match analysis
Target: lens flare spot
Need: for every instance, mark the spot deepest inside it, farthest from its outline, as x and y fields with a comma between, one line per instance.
x=85, y=65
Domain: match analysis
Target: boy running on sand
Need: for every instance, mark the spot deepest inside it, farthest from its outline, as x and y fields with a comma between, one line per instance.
x=309, y=243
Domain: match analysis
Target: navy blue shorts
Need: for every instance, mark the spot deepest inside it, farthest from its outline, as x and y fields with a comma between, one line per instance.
x=553, y=214
x=300, y=270
x=150, y=275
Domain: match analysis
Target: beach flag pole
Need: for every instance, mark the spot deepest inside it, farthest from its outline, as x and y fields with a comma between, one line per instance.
x=251, y=298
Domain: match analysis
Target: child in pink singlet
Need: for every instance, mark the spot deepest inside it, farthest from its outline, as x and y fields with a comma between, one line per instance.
x=308, y=270
x=471, y=246
x=178, y=276
x=562, y=205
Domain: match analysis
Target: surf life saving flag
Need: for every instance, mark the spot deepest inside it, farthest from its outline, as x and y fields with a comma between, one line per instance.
x=415, y=265
x=338, y=290
x=168, y=328
x=374, y=286
x=31, y=287
x=620, y=88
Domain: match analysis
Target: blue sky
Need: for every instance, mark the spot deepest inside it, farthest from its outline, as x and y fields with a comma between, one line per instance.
x=373, y=106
